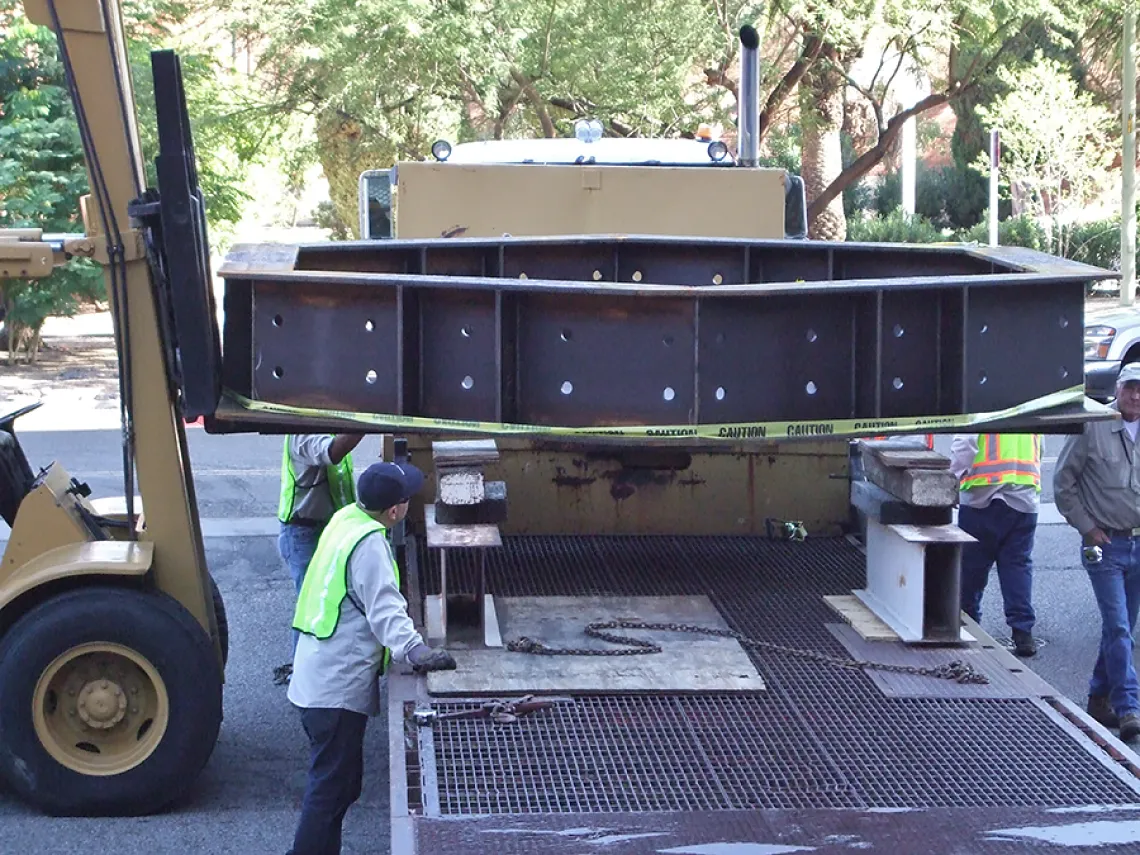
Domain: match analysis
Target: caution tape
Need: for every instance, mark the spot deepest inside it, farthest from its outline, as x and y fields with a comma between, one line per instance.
x=825, y=429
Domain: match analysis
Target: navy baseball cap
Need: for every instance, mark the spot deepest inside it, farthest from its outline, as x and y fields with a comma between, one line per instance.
x=384, y=485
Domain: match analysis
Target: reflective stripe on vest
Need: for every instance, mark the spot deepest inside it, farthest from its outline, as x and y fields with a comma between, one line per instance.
x=1005, y=459
x=326, y=579
x=342, y=489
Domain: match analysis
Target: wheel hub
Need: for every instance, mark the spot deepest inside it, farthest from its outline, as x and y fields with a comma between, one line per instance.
x=102, y=704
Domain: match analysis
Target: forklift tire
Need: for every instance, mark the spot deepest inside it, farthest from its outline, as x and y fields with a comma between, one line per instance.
x=112, y=703
x=223, y=622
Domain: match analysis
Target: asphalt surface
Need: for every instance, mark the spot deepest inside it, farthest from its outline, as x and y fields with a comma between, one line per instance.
x=247, y=800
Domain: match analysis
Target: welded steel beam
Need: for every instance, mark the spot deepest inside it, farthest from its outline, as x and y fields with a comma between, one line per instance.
x=594, y=332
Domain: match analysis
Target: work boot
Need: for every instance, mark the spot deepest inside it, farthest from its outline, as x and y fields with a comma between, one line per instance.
x=1023, y=643
x=1129, y=726
x=1100, y=710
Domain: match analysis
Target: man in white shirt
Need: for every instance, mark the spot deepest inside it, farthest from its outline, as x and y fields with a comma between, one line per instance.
x=353, y=621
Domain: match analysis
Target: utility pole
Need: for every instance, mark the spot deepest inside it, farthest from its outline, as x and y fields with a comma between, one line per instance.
x=909, y=165
x=1128, y=166
x=995, y=157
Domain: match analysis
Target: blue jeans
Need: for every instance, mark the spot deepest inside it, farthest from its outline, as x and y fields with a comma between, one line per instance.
x=297, y=543
x=1116, y=584
x=336, y=777
x=1004, y=536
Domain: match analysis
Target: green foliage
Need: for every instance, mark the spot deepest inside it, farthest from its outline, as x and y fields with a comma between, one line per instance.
x=949, y=197
x=895, y=227
x=42, y=176
x=1016, y=231
x=1055, y=143
x=1096, y=243
x=42, y=168
x=326, y=217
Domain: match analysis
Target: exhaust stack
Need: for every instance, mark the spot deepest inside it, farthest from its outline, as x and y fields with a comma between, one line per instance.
x=748, y=107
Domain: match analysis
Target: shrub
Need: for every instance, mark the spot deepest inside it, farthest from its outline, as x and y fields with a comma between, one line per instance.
x=949, y=197
x=1096, y=243
x=895, y=227
x=1016, y=231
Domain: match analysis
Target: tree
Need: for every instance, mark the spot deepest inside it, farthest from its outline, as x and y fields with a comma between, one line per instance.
x=1055, y=142
x=41, y=177
x=42, y=171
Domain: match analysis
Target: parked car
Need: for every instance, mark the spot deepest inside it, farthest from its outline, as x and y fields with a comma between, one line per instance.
x=1112, y=339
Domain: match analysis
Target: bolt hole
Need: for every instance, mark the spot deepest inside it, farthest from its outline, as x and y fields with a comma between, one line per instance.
x=897, y=383
x=567, y=388
x=668, y=394
x=88, y=747
x=278, y=320
x=811, y=388
x=369, y=326
x=982, y=378
x=465, y=332
x=566, y=335
x=278, y=372
x=143, y=728
x=1063, y=321
x=468, y=382
x=667, y=341
x=51, y=702
x=898, y=331
x=370, y=377
x=717, y=279
x=811, y=335
x=1063, y=372
x=597, y=275
x=522, y=276
x=720, y=393
x=985, y=329
x=637, y=276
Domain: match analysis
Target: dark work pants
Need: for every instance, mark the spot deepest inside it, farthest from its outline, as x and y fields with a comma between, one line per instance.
x=336, y=775
x=1004, y=536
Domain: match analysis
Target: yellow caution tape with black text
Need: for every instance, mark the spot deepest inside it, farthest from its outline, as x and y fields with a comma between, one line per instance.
x=826, y=429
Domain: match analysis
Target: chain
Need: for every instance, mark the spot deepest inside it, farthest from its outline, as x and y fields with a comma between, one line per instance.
x=959, y=671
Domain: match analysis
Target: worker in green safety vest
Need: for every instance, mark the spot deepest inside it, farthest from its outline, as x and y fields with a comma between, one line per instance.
x=353, y=621
x=316, y=481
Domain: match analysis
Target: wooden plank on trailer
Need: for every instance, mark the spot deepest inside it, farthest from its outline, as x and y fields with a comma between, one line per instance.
x=864, y=621
x=467, y=452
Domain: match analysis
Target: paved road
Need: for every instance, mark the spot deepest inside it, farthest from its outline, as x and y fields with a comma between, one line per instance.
x=247, y=800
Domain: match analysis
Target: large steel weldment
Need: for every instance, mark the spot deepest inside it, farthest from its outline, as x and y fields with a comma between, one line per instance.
x=630, y=331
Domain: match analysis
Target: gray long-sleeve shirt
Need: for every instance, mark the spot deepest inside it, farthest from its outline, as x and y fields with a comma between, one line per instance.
x=341, y=671
x=310, y=456
x=1097, y=480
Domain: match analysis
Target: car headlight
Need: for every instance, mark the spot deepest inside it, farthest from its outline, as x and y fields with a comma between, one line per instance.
x=1098, y=339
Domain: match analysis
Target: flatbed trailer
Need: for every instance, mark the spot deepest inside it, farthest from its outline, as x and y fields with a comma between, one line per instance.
x=824, y=759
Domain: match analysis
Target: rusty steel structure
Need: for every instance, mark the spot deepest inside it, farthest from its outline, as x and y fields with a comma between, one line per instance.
x=603, y=331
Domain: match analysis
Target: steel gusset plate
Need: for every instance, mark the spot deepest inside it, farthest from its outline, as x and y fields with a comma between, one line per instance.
x=608, y=332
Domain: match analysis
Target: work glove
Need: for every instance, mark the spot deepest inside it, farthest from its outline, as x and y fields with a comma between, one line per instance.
x=423, y=658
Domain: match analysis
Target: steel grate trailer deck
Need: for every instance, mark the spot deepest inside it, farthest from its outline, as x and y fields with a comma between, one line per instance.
x=823, y=759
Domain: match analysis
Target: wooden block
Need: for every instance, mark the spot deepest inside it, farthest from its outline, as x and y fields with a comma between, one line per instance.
x=865, y=622
x=460, y=486
x=471, y=452
x=904, y=454
x=881, y=506
x=923, y=487
x=492, y=510
x=440, y=536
